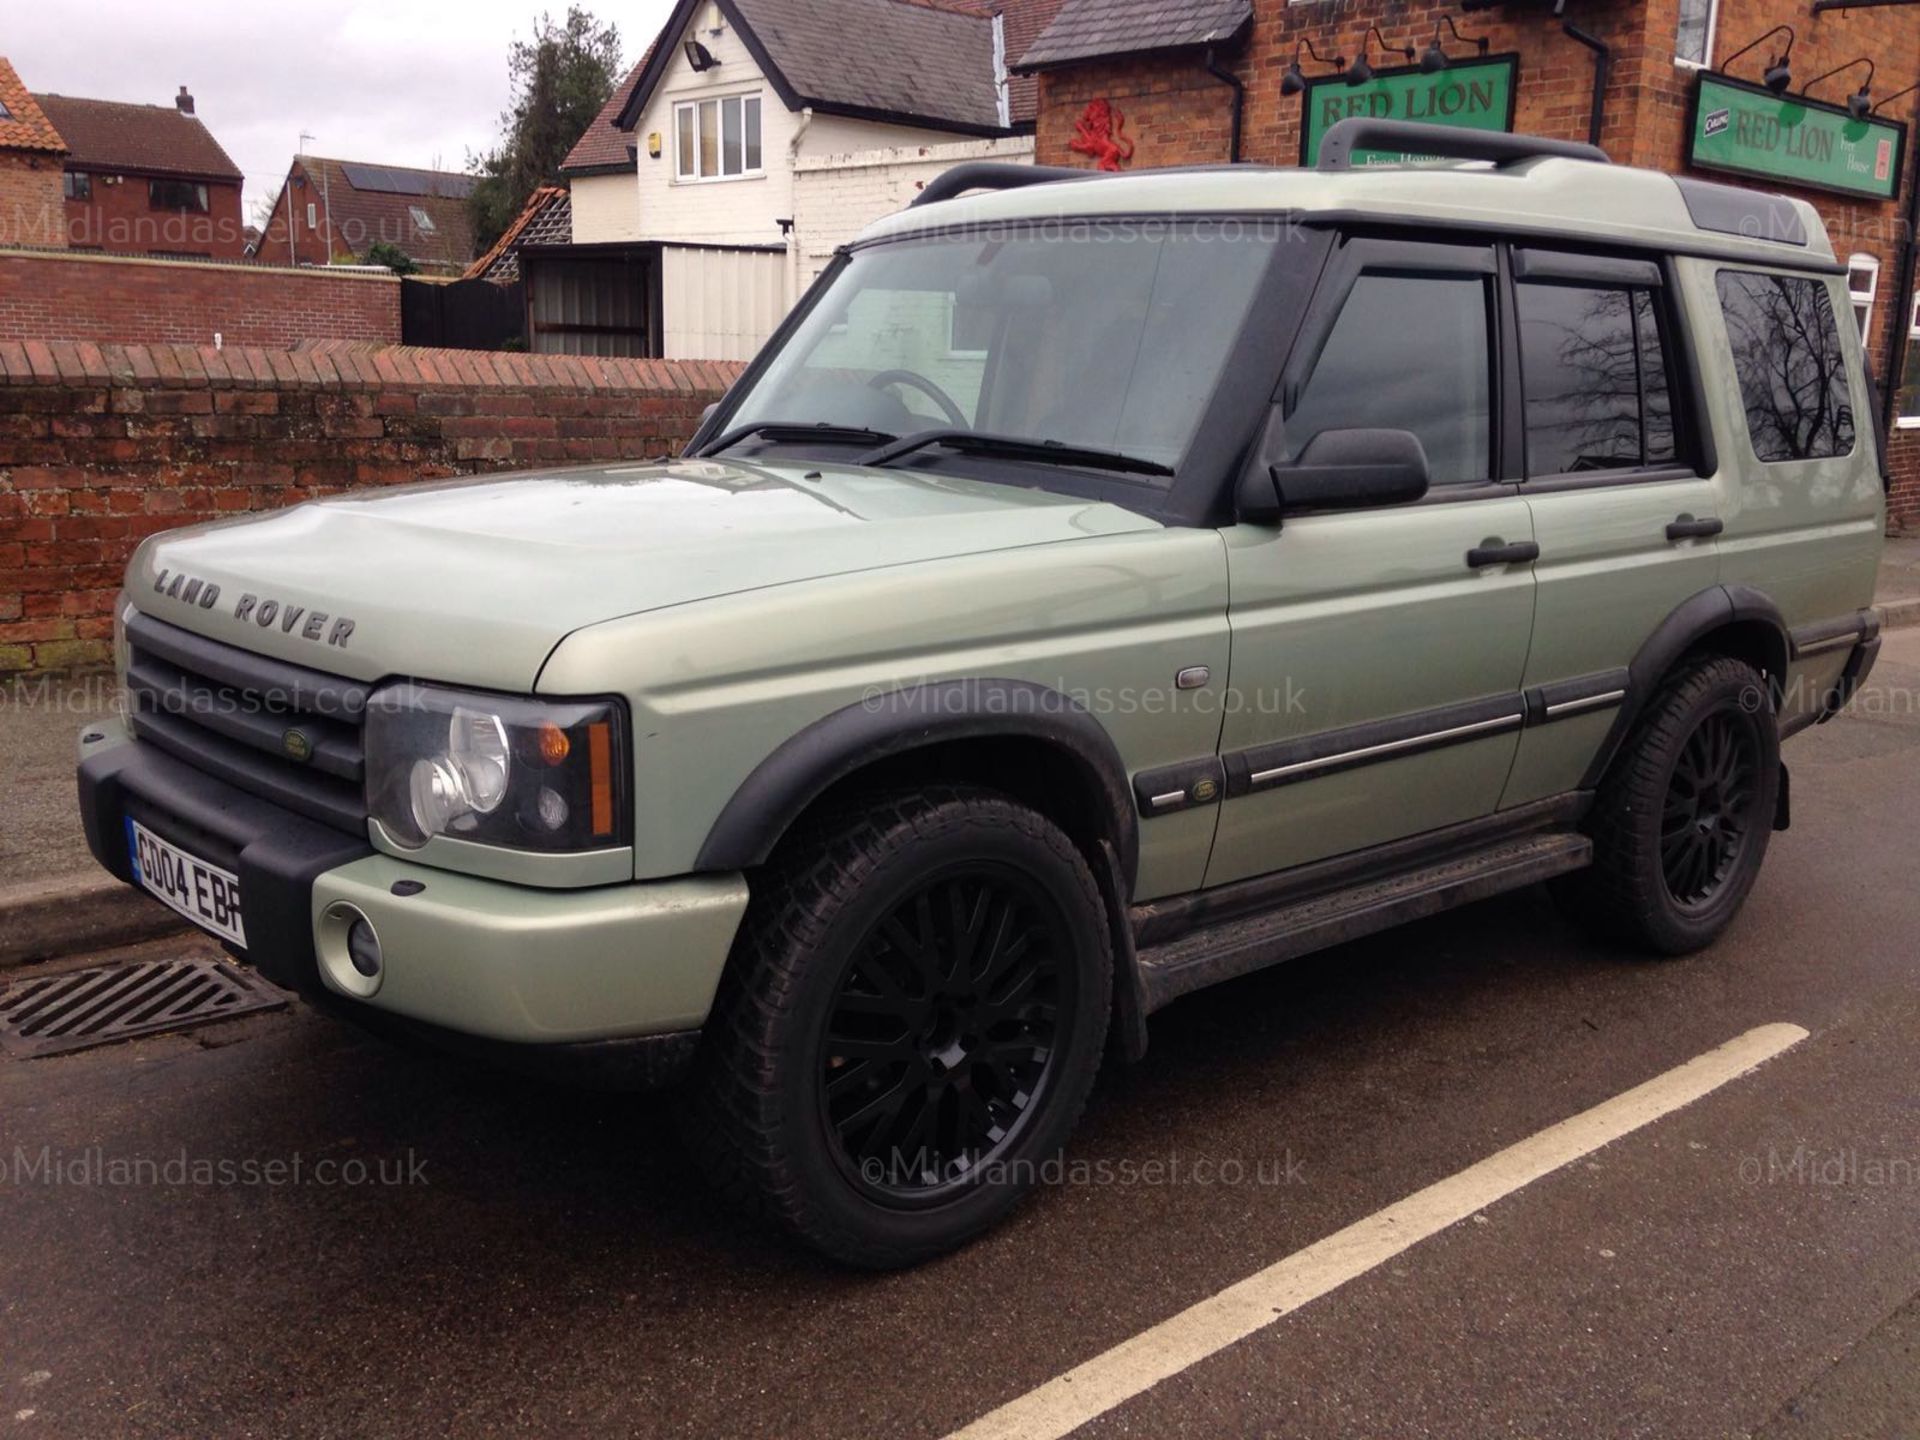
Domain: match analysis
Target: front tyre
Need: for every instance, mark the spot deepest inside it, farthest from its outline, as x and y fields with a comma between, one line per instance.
x=909, y=1026
x=1681, y=821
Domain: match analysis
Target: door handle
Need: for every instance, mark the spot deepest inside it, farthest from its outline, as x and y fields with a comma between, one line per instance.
x=1688, y=528
x=1519, y=553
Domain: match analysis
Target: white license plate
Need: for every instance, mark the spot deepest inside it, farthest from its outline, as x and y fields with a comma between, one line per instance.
x=205, y=894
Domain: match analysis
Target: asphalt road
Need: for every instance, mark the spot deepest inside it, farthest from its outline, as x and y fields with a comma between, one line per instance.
x=544, y=1262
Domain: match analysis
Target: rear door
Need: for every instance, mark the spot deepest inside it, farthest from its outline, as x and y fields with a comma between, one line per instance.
x=1377, y=653
x=1625, y=508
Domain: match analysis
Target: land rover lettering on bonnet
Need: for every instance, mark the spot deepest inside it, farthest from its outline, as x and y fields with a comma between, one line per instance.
x=266, y=612
x=1063, y=613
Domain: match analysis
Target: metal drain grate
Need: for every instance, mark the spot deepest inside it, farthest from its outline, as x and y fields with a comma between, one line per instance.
x=82, y=1008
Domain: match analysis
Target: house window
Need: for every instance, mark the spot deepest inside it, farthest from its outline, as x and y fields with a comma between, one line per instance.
x=1693, y=39
x=422, y=222
x=1910, y=374
x=717, y=139
x=5, y=113
x=313, y=216
x=77, y=185
x=1863, y=282
x=181, y=195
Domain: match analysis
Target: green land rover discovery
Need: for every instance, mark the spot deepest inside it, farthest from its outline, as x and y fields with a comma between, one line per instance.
x=1100, y=587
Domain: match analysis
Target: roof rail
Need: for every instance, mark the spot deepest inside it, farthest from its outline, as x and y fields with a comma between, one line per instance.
x=994, y=175
x=1357, y=132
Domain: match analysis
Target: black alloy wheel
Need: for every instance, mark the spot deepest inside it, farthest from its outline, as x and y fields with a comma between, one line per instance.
x=941, y=1040
x=1709, y=817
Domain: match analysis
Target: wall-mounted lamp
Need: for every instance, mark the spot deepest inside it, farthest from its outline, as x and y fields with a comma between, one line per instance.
x=1860, y=102
x=1893, y=97
x=698, y=56
x=653, y=144
x=1360, y=72
x=1779, y=74
x=1435, y=58
x=1292, y=82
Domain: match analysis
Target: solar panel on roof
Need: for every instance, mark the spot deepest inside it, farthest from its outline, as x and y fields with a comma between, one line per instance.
x=389, y=181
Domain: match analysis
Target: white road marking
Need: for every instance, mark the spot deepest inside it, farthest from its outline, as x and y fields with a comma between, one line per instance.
x=1130, y=1368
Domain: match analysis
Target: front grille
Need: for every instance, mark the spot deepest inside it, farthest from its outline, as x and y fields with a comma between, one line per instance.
x=244, y=719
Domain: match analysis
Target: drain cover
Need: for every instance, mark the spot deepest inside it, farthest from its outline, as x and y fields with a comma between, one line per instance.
x=82, y=1008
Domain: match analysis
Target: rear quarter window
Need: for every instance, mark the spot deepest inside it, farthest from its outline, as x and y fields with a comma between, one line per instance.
x=1791, y=368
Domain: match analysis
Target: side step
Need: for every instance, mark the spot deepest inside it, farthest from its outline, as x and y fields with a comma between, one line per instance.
x=1252, y=942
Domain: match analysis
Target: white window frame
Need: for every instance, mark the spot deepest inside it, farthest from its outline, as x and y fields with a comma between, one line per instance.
x=740, y=98
x=1856, y=299
x=1908, y=422
x=313, y=216
x=1713, y=29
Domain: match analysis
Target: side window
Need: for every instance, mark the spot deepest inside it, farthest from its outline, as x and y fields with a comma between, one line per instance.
x=1409, y=352
x=1792, y=370
x=1595, y=376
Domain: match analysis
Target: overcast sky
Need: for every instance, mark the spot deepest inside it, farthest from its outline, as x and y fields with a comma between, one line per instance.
x=407, y=82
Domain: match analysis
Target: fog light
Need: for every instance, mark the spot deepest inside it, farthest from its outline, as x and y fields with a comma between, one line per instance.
x=363, y=948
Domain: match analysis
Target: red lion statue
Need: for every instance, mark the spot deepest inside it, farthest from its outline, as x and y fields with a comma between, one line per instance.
x=1099, y=132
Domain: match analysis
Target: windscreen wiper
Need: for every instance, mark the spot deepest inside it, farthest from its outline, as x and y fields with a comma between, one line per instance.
x=796, y=430
x=1013, y=447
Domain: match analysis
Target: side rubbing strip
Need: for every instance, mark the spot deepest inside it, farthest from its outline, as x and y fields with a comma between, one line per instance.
x=1173, y=788
x=1582, y=695
x=1331, y=751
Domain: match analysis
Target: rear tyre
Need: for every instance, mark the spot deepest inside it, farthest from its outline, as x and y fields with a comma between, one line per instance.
x=1681, y=821
x=909, y=1025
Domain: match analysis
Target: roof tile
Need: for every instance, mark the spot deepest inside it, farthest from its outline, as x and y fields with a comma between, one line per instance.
x=1091, y=29
x=145, y=139
x=23, y=124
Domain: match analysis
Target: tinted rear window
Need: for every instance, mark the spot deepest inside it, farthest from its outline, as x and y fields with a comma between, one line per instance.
x=1792, y=371
x=1596, y=379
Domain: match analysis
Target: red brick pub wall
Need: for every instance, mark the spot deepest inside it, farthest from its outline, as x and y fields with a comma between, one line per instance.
x=101, y=445
x=1175, y=113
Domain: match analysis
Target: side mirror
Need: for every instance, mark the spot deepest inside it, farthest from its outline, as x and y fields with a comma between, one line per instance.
x=1353, y=470
x=706, y=411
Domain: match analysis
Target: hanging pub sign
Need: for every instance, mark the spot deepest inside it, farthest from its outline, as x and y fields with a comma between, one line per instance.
x=1748, y=130
x=1473, y=94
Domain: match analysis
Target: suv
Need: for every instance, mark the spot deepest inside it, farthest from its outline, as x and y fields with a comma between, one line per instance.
x=1099, y=587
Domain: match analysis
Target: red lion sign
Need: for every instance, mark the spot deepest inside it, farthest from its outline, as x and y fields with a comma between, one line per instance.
x=1100, y=132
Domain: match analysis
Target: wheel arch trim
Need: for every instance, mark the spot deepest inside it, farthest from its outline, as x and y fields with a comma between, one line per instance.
x=884, y=724
x=1700, y=615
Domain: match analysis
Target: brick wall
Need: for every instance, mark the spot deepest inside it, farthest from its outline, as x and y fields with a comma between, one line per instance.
x=120, y=218
x=30, y=200
x=1177, y=114
x=130, y=300
x=101, y=445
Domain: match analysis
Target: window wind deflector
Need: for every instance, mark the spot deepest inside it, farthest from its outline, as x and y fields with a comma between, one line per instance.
x=1013, y=447
x=791, y=430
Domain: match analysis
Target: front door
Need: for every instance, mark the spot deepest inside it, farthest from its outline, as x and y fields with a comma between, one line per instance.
x=1377, y=654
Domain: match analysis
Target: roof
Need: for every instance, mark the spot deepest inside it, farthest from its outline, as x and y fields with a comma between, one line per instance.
x=1548, y=196
x=369, y=202
x=23, y=124
x=1093, y=29
x=547, y=219
x=113, y=135
x=886, y=60
x=604, y=146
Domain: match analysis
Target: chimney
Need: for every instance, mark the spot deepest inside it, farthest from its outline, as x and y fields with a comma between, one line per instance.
x=184, y=100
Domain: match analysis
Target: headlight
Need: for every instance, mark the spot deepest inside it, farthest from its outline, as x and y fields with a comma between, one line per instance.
x=496, y=769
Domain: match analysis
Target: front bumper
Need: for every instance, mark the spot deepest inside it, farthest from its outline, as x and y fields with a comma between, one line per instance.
x=471, y=957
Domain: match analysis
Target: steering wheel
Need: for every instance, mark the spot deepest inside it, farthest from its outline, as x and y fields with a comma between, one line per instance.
x=927, y=388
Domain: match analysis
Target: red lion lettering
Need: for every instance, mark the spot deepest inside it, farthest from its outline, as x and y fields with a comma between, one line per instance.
x=1100, y=132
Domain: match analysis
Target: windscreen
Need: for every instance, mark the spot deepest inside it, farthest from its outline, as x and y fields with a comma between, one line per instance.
x=1108, y=336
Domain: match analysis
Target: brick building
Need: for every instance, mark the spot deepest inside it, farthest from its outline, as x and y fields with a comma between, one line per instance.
x=341, y=209
x=145, y=180
x=1682, y=85
x=30, y=154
